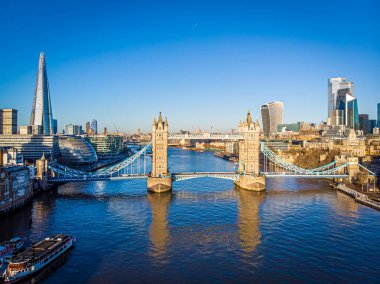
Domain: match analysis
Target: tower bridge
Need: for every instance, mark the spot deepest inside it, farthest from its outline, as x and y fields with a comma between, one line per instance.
x=248, y=175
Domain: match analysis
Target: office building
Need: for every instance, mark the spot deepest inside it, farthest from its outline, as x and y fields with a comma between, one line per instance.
x=42, y=112
x=363, y=122
x=8, y=121
x=32, y=147
x=346, y=112
x=94, y=126
x=378, y=115
x=272, y=116
x=334, y=86
x=87, y=127
x=55, y=126
x=72, y=129
x=371, y=125
x=106, y=145
x=295, y=127
x=25, y=130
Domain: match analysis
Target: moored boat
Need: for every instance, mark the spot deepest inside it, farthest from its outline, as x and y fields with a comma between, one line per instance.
x=7, y=248
x=37, y=257
x=7, y=251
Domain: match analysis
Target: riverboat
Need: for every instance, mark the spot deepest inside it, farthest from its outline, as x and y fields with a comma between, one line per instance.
x=37, y=257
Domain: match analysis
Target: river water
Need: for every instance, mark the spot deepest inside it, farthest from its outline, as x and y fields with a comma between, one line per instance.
x=299, y=231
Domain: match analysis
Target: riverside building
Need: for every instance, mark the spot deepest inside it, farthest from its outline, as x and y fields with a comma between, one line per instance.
x=106, y=145
x=16, y=187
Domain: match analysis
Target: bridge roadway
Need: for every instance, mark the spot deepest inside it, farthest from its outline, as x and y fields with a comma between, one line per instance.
x=207, y=136
x=191, y=175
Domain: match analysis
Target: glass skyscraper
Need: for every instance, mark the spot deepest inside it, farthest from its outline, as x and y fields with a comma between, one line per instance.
x=42, y=112
x=347, y=109
x=272, y=116
x=335, y=86
x=378, y=115
x=94, y=126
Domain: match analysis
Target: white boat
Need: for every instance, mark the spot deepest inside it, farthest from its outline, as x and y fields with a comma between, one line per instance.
x=37, y=257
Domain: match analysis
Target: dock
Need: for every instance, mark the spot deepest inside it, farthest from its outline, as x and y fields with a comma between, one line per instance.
x=358, y=196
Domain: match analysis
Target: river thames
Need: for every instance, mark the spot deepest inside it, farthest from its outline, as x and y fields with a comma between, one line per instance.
x=298, y=231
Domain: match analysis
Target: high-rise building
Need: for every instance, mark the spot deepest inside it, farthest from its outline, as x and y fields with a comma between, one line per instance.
x=363, y=122
x=94, y=126
x=371, y=125
x=334, y=86
x=272, y=116
x=42, y=112
x=87, y=127
x=378, y=115
x=8, y=121
x=346, y=112
x=72, y=129
x=55, y=126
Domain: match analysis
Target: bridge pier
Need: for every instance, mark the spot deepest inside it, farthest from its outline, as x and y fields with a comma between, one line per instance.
x=159, y=184
x=160, y=179
x=252, y=183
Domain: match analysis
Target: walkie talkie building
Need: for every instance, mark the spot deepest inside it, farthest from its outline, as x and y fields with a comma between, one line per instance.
x=42, y=113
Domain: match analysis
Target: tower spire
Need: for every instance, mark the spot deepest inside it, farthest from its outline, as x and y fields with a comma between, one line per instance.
x=42, y=112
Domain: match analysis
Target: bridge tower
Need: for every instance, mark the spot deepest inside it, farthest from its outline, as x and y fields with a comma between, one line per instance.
x=249, y=154
x=160, y=179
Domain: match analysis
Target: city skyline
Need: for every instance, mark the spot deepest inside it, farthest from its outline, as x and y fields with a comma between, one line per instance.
x=188, y=65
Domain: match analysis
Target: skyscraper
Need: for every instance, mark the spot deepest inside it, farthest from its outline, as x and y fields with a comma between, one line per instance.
x=378, y=115
x=87, y=127
x=335, y=117
x=363, y=122
x=42, y=113
x=272, y=116
x=8, y=121
x=346, y=112
x=94, y=126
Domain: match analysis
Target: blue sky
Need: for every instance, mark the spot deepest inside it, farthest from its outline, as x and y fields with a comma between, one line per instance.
x=202, y=63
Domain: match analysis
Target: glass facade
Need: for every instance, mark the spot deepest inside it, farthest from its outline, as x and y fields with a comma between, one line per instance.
x=337, y=86
x=378, y=115
x=272, y=116
x=74, y=150
x=106, y=145
x=32, y=147
x=42, y=112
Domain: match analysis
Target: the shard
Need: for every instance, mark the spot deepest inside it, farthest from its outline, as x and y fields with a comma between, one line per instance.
x=42, y=113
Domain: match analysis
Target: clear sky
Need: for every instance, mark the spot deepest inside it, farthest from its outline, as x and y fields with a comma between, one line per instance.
x=202, y=63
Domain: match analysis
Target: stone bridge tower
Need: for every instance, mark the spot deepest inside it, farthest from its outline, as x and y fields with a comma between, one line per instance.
x=160, y=179
x=249, y=156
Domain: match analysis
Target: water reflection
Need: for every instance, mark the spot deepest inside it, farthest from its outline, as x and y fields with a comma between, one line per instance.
x=159, y=230
x=249, y=220
x=346, y=205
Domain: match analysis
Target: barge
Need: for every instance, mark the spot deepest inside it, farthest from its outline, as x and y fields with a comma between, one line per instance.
x=37, y=257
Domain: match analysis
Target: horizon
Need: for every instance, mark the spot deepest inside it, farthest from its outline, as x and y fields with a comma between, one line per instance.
x=201, y=65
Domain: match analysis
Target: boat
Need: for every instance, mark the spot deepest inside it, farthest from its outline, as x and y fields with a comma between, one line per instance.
x=8, y=249
x=37, y=257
